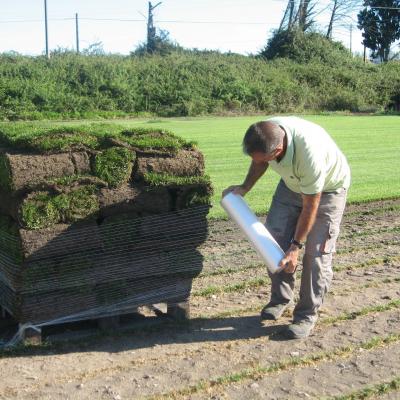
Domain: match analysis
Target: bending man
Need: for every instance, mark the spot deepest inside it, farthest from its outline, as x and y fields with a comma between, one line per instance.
x=306, y=210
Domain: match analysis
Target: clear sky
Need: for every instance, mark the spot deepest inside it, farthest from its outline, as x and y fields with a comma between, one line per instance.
x=241, y=26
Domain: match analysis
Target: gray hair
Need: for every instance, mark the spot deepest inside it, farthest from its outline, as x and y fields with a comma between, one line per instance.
x=263, y=137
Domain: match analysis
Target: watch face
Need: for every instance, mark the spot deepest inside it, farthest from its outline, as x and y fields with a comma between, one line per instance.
x=296, y=243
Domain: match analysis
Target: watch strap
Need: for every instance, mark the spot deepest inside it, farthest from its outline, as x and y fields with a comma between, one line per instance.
x=296, y=243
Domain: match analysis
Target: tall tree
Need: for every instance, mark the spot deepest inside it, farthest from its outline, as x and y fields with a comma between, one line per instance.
x=340, y=12
x=305, y=14
x=299, y=14
x=380, y=23
x=288, y=17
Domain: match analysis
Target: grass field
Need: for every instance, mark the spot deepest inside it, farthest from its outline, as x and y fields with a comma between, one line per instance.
x=371, y=144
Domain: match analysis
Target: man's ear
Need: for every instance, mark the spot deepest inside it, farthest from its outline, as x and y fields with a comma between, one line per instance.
x=278, y=151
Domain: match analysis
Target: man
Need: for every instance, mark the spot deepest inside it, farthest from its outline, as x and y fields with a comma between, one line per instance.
x=306, y=210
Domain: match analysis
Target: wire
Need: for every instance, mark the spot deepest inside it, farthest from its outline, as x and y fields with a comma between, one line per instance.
x=17, y=21
x=216, y=22
x=111, y=19
x=386, y=8
x=141, y=20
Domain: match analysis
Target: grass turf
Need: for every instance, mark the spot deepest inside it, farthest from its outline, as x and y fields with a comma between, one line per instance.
x=53, y=138
x=371, y=144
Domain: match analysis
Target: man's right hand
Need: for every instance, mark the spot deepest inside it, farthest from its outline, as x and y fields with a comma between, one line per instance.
x=235, y=189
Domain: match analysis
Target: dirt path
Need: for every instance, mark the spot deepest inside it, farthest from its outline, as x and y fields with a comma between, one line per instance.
x=226, y=353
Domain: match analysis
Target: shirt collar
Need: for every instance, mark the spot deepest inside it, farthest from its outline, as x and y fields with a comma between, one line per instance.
x=288, y=157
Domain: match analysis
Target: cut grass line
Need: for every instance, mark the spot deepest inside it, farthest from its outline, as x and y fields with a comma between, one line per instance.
x=375, y=200
x=228, y=271
x=375, y=211
x=346, y=316
x=258, y=282
x=365, y=311
x=378, y=389
x=373, y=261
x=374, y=246
x=372, y=284
x=238, y=312
x=369, y=263
x=238, y=287
x=259, y=371
x=371, y=232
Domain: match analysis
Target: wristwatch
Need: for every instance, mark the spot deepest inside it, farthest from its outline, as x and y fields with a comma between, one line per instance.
x=296, y=243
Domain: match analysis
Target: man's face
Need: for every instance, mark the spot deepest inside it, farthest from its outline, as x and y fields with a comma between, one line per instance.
x=261, y=158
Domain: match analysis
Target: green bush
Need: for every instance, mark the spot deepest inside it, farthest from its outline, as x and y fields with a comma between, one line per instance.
x=299, y=74
x=305, y=47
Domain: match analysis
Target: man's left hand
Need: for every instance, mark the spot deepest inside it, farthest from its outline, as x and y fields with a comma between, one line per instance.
x=289, y=262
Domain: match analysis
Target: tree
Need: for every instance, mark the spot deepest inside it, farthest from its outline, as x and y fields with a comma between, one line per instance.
x=288, y=17
x=161, y=45
x=340, y=11
x=305, y=47
x=94, y=49
x=380, y=23
x=305, y=14
x=299, y=14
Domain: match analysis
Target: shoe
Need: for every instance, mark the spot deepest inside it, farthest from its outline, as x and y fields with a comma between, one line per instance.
x=274, y=311
x=299, y=329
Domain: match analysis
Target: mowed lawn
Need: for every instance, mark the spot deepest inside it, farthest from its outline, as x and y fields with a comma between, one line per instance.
x=371, y=144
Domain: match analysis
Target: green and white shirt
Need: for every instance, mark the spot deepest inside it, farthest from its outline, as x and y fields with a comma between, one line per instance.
x=313, y=163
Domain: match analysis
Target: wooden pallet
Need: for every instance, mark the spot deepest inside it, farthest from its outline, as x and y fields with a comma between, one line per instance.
x=127, y=319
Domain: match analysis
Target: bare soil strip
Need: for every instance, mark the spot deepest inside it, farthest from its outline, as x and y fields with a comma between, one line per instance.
x=225, y=340
x=354, y=369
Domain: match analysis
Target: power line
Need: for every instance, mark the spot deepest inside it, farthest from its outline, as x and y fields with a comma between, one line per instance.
x=386, y=8
x=112, y=19
x=16, y=21
x=141, y=20
x=215, y=22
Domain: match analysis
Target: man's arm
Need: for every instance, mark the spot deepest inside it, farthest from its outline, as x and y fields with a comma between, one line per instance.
x=304, y=225
x=256, y=171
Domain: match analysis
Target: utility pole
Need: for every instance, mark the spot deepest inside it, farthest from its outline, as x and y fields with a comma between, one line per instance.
x=46, y=29
x=151, y=30
x=77, y=32
x=351, y=39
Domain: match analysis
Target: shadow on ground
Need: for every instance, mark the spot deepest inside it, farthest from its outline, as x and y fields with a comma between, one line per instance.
x=143, y=333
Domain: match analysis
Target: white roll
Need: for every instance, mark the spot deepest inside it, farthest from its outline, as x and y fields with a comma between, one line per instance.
x=256, y=232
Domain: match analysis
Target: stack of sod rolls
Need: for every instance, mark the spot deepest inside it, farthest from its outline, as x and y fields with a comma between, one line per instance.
x=97, y=219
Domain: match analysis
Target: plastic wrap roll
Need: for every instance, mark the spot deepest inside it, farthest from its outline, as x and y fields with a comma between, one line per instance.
x=256, y=232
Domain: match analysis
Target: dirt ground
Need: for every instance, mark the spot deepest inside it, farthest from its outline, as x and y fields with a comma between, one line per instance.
x=226, y=352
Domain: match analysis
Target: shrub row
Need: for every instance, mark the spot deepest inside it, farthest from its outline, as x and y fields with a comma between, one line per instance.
x=188, y=84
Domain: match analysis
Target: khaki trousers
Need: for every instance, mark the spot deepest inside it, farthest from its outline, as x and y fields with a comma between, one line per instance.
x=317, y=271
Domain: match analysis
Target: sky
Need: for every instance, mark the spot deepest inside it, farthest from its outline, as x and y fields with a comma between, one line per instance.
x=240, y=26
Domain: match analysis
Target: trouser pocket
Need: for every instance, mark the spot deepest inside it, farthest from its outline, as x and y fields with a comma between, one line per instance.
x=328, y=245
